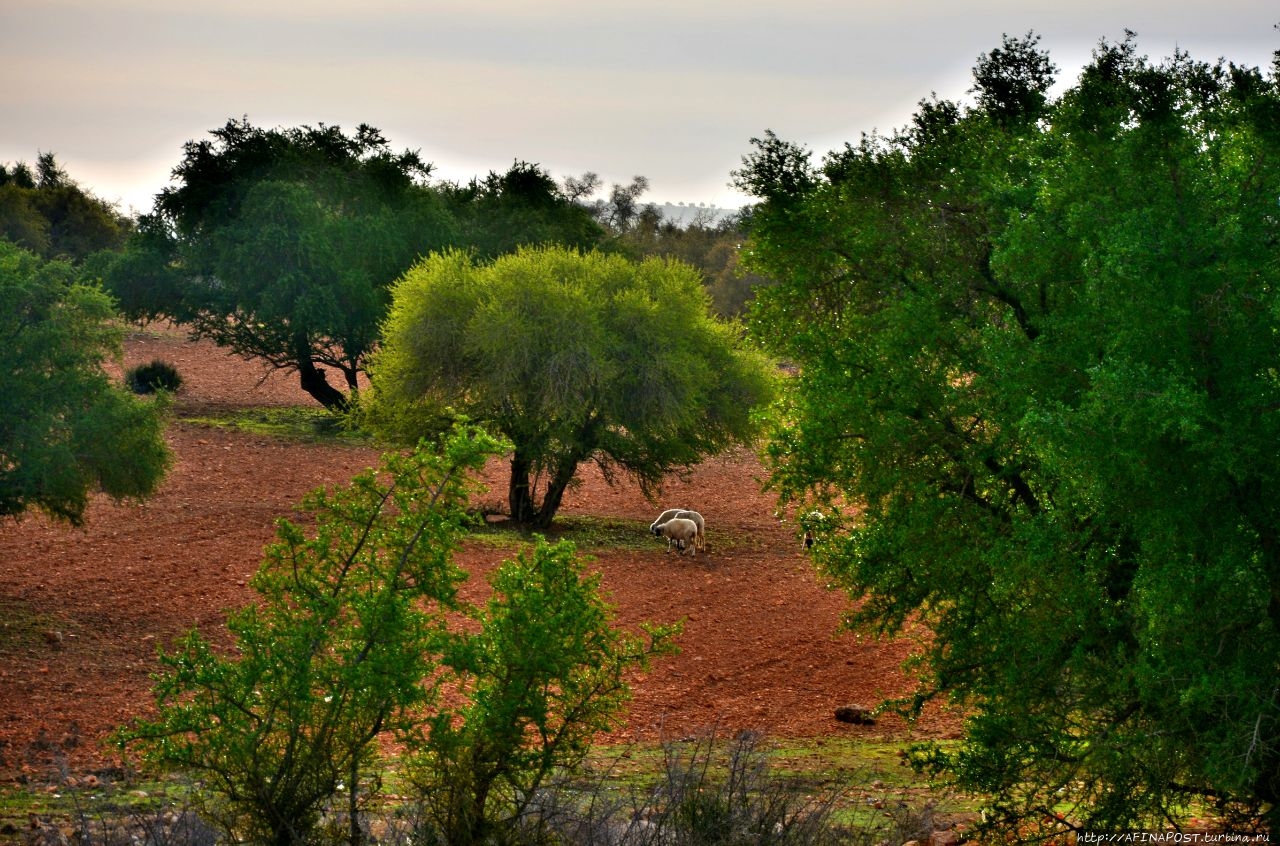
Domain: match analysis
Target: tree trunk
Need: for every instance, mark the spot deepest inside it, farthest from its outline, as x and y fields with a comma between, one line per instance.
x=546, y=512
x=519, y=492
x=313, y=381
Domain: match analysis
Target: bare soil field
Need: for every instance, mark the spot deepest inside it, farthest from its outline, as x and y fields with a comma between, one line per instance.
x=83, y=610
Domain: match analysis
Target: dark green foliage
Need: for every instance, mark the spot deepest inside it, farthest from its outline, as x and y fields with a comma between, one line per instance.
x=50, y=215
x=574, y=358
x=65, y=429
x=1037, y=343
x=156, y=375
x=281, y=244
x=523, y=207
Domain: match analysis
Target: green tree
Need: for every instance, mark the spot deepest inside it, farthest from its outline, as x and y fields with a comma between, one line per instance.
x=66, y=429
x=1038, y=342
x=50, y=215
x=280, y=245
x=573, y=357
x=523, y=207
x=543, y=676
x=341, y=648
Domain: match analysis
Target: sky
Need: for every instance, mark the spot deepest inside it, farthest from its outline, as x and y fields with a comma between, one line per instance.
x=672, y=90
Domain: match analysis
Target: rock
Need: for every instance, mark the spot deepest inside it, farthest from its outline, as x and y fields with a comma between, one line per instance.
x=855, y=714
x=944, y=838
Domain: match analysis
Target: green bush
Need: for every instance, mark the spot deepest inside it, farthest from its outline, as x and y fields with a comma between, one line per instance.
x=156, y=376
x=340, y=648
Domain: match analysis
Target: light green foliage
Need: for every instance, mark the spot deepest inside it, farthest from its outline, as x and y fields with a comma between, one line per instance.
x=573, y=357
x=544, y=674
x=357, y=632
x=65, y=429
x=280, y=244
x=1038, y=342
x=339, y=649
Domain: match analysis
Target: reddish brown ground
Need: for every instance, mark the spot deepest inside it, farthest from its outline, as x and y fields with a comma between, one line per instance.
x=82, y=610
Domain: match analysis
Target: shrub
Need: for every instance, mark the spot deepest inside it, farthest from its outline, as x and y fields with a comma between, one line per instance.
x=349, y=623
x=544, y=674
x=156, y=376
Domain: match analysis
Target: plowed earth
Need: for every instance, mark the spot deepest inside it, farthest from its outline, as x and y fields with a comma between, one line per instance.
x=83, y=610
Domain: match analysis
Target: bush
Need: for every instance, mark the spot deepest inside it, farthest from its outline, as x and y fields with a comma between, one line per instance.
x=156, y=376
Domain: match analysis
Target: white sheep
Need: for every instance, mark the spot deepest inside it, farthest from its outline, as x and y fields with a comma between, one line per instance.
x=663, y=517
x=686, y=514
x=682, y=532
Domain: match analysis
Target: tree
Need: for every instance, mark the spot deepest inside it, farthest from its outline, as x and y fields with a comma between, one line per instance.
x=1037, y=342
x=523, y=207
x=543, y=676
x=50, y=215
x=342, y=647
x=66, y=429
x=281, y=244
x=573, y=357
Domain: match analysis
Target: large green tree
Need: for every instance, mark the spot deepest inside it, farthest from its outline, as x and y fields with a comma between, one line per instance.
x=1038, y=342
x=281, y=244
x=66, y=429
x=573, y=357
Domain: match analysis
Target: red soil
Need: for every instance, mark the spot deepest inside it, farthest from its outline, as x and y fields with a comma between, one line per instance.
x=760, y=648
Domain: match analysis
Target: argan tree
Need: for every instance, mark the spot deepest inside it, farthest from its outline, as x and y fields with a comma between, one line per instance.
x=545, y=674
x=342, y=646
x=67, y=429
x=280, y=244
x=46, y=212
x=523, y=207
x=574, y=358
x=1038, y=341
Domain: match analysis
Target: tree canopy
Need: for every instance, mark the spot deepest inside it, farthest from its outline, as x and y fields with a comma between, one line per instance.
x=47, y=213
x=1038, y=342
x=281, y=244
x=523, y=207
x=573, y=357
x=66, y=430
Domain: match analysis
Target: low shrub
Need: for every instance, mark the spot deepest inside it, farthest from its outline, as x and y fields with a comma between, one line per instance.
x=155, y=376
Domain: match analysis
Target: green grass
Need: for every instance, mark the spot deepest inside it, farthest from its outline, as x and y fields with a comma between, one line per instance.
x=23, y=628
x=866, y=782
x=294, y=423
x=588, y=533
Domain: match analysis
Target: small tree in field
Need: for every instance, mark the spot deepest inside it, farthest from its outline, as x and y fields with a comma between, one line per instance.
x=339, y=649
x=571, y=356
x=543, y=676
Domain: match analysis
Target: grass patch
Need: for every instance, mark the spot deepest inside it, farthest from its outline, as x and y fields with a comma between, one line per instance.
x=588, y=533
x=294, y=423
x=22, y=628
x=693, y=790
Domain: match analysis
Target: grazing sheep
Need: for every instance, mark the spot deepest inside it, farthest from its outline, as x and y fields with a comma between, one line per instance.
x=680, y=531
x=672, y=513
x=664, y=517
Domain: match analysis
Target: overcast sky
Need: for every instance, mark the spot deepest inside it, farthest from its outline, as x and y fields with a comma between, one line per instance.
x=670, y=89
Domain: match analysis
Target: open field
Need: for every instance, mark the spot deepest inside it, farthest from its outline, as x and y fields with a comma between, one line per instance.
x=82, y=611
